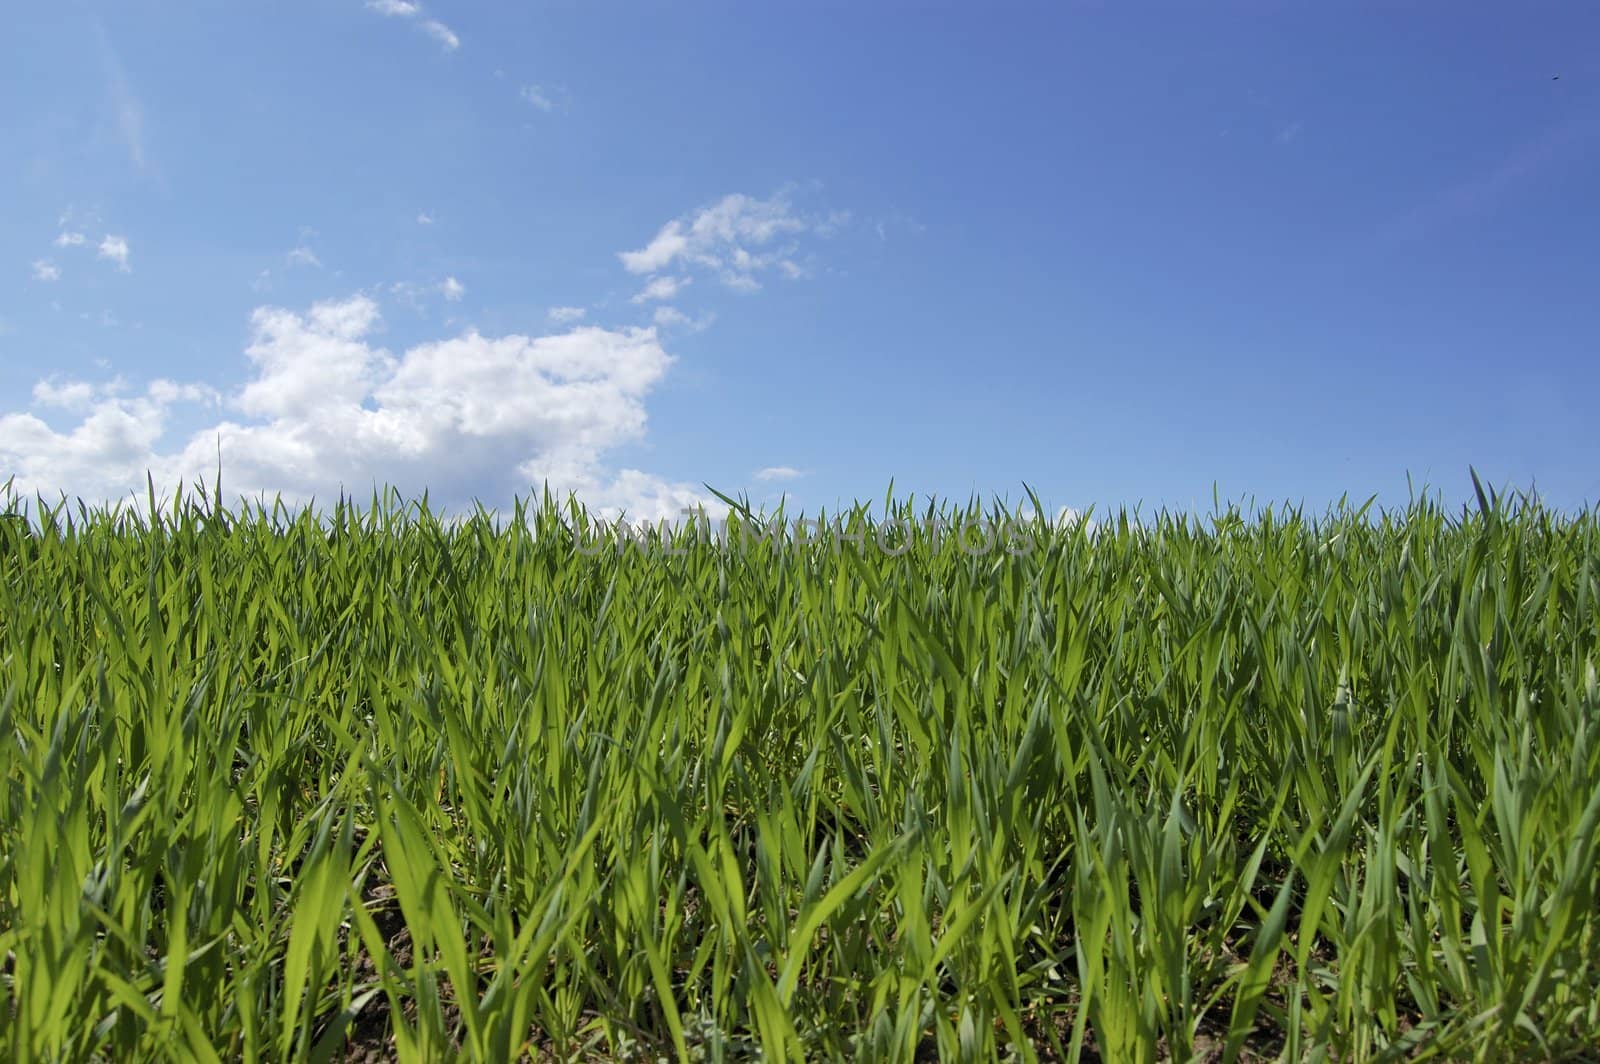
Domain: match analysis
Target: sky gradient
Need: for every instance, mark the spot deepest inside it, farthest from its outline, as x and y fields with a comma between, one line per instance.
x=1121, y=253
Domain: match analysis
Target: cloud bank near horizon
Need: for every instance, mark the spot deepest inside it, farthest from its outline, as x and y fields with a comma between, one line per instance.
x=324, y=410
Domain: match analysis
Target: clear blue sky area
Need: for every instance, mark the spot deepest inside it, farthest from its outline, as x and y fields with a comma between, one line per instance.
x=1119, y=252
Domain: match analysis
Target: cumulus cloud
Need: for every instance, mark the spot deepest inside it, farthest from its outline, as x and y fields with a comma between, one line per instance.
x=70, y=395
x=115, y=249
x=567, y=314
x=112, y=248
x=452, y=289
x=325, y=408
x=641, y=497
x=110, y=445
x=736, y=238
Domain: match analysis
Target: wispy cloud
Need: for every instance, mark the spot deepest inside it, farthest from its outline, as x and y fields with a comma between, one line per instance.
x=536, y=96
x=45, y=270
x=70, y=240
x=737, y=238
x=564, y=315
x=663, y=288
x=441, y=33
x=1483, y=192
x=127, y=112
x=778, y=473
x=673, y=318
x=303, y=254
x=897, y=220
x=413, y=293
x=105, y=319
x=115, y=249
x=1289, y=132
x=409, y=9
x=424, y=218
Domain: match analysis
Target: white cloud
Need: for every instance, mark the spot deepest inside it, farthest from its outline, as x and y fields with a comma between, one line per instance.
x=45, y=270
x=303, y=256
x=1556, y=146
x=1068, y=517
x=424, y=218
x=897, y=219
x=77, y=219
x=410, y=9
x=72, y=395
x=110, y=445
x=324, y=408
x=126, y=109
x=441, y=33
x=668, y=245
x=778, y=473
x=732, y=238
x=640, y=497
x=672, y=317
x=130, y=122
x=105, y=319
x=70, y=240
x=536, y=96
x=741, y=282
x=663, y=288
x=115, y=249
x=567, y=314
x=413, y=293
x=832, y=223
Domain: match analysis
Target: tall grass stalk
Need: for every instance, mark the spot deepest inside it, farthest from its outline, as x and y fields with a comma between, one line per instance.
x=1258, y=785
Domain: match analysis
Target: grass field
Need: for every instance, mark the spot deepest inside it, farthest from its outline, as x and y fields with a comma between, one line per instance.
x=371, y=784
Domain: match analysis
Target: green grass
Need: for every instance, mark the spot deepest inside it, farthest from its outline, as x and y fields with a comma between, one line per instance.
x=1257, y=785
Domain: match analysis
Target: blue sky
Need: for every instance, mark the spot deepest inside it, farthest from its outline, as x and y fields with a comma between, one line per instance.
x=1118, y=252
